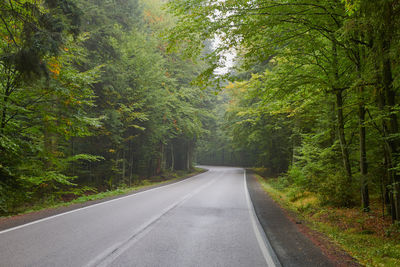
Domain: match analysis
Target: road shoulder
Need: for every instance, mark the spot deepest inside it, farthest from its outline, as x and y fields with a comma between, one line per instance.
x=294, y=243
x=17, y=220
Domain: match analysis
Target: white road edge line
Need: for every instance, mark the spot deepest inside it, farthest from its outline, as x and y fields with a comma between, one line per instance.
x=94, y=205
x=263, y=242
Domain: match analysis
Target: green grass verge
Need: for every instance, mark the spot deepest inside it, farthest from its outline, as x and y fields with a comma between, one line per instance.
x=53, y=204
x=362, y=243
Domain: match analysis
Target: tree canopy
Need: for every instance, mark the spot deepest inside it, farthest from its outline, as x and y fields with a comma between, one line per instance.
x=90, y=99
x=315, y=91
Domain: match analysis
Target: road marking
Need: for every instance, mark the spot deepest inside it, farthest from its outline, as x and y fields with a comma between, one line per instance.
x=112, y=253
x=95, y=205
x=263, y=242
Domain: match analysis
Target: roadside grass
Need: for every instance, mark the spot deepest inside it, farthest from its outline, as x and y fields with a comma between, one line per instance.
x=368, y=237
x=92, y=195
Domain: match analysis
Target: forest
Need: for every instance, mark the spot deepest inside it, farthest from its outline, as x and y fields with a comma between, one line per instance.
x=102, y=94
x=90, y=98
x=313, y=93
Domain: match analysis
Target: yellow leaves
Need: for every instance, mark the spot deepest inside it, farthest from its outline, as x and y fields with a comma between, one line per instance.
x=48, y=118
x=10, y=39
x=147, y=14
x=288, y=110
x=255, y=76
x=7, y=39
x=244, y=113
x=351, y=6
x=44, y=185
x=152, y=18
x=111, y=150
x=72, y=101
x=230, y=85
x=276, y=112
x=176, y=125
x=292, y=113
x=54, y=67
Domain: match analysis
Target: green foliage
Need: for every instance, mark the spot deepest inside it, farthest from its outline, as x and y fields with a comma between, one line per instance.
x=393, y=229
x=101, y=93
x=362, y=244
x=84, y=157
x=315, y=92
x=299, y=178
x=89, y=98
x=336, y=191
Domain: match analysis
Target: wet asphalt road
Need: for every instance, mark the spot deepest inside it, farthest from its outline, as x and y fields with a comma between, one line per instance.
x=206, y=220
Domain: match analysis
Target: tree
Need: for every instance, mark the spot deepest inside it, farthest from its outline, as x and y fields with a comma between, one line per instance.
x=321, y=53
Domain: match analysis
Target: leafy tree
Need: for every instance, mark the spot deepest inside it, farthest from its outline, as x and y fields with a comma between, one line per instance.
x=90, y=97
x=329, y=69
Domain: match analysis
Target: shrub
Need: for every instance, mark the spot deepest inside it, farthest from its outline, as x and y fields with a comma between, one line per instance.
x=12, y=195
x=335, y=190
x=296, y=175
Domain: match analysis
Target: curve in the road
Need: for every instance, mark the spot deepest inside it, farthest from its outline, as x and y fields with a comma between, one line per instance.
x=206, y=220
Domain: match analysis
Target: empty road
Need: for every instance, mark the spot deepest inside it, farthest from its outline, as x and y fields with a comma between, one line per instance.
x=206, y=220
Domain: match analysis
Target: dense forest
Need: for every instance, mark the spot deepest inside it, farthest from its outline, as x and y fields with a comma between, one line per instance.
x=314, y=93
x=91, y=99
x=101, y=94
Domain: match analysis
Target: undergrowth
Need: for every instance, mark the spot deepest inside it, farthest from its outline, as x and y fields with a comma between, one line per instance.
x=368, y=237
x=92, y=194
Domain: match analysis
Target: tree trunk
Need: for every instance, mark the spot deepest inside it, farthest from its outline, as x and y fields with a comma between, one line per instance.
x=49, y=139
x=393, y=129
x=363, y=158
x=130, y=162
x=163, y=160
x=342, y=136
x=332, y=135
x=172, y=157
x=187, y=165
x=160, y=159
x=9, y=88
x=123, y=165
x=4, y=113
x=386, y=151
x=360, y=57
x=339, y=109
x=190, y=156
x=390, y=95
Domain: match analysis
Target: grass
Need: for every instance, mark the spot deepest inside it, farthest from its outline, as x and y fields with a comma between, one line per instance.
x=369, y=238
x=57, y=203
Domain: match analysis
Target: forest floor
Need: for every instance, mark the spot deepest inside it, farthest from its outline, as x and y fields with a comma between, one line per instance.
x=368, y=237
x=29, y=212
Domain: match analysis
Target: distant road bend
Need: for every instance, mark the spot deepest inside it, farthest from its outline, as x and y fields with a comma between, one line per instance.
x=206, y=220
